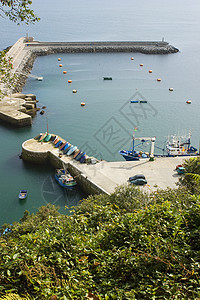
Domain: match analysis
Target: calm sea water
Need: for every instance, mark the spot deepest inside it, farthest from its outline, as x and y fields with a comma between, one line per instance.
x=107, y=121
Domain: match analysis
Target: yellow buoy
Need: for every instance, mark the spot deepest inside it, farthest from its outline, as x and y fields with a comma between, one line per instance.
x=59, y=59
x=132, y=58
x=150, y=71
x=141, y=65
x=82, y=103
x=64, y=72
x=74, y=91
x=69, y=81
x=159, y=79
x=171, y=89
x=60, y=65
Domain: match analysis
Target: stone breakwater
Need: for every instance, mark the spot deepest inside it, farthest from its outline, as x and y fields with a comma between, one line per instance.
x=24, y=52
x=35, y=48
x=27, y=52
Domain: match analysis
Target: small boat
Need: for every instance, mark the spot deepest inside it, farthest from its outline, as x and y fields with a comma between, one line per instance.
x=76, y=153
x=107, y=78
x=72, y=150
x=58, y=143
x=80, y=156
x=63, y=145
x=47, y=138
x=83, y=158
x=143, y=101
x=38, y=136
x=43, y=136
x=52, y=138
x=65, y=179
x=66, y=149
x=134, y=101
x=23, y=194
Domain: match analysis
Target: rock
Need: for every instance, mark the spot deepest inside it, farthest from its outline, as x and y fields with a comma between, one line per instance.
x=18, y=95
x=29, y=106
x=29, y=99
x=31, y=102
x=32, y=96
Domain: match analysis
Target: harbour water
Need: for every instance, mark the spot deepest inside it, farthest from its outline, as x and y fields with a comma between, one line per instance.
x=107, y=121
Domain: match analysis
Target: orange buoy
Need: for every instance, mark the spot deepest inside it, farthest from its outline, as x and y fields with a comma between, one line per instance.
x=82, y=103
x=150, y=71
x=69, y=81
x=59, y=59
x=188, y=101
x=141, y=65
x=132, y=58
x=74, y=91
x=159, y=79
x=64, y=72
x=60, y=65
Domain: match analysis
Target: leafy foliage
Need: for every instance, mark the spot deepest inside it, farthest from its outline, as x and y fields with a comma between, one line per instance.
x=6, y=77
x=18, y=11
x=191, y=179
x=125, y=246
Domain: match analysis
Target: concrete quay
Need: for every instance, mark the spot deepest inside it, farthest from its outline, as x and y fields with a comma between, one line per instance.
x=104, y=176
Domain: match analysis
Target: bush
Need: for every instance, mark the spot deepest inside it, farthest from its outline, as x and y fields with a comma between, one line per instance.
x=128, y=245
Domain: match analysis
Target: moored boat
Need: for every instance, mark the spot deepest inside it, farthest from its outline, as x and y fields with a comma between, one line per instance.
x=23, y=194
x=43, y=136
x=47, y=138
x=65, y=179
x=71, y=150
x=180, y=146
x=131, y=155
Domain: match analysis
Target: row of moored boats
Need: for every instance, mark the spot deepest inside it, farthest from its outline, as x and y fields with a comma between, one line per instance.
x=66, y=148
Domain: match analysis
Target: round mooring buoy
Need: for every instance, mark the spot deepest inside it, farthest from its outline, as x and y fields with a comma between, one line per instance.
x=60, y=65
x=171, y=89
x=59, y=59
x=64, y=72
x=158, y=79
x=74, y=91
x=82, y=103
x=69, y=81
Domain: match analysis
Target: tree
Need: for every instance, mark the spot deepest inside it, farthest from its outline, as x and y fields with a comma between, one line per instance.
x=17, y=11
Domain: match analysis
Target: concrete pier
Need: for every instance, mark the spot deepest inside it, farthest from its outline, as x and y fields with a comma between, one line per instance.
x=104, y=176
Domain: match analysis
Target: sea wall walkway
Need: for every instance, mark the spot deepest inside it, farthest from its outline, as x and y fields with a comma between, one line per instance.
x=104, y=176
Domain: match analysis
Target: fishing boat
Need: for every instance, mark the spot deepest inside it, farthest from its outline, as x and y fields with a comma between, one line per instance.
x=65, y=179
x=23, y=194
x=131, y=155
x=180, y=146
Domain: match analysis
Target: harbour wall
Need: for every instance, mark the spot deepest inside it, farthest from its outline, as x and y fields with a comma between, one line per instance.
x=33, y=49
x=53, y=158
